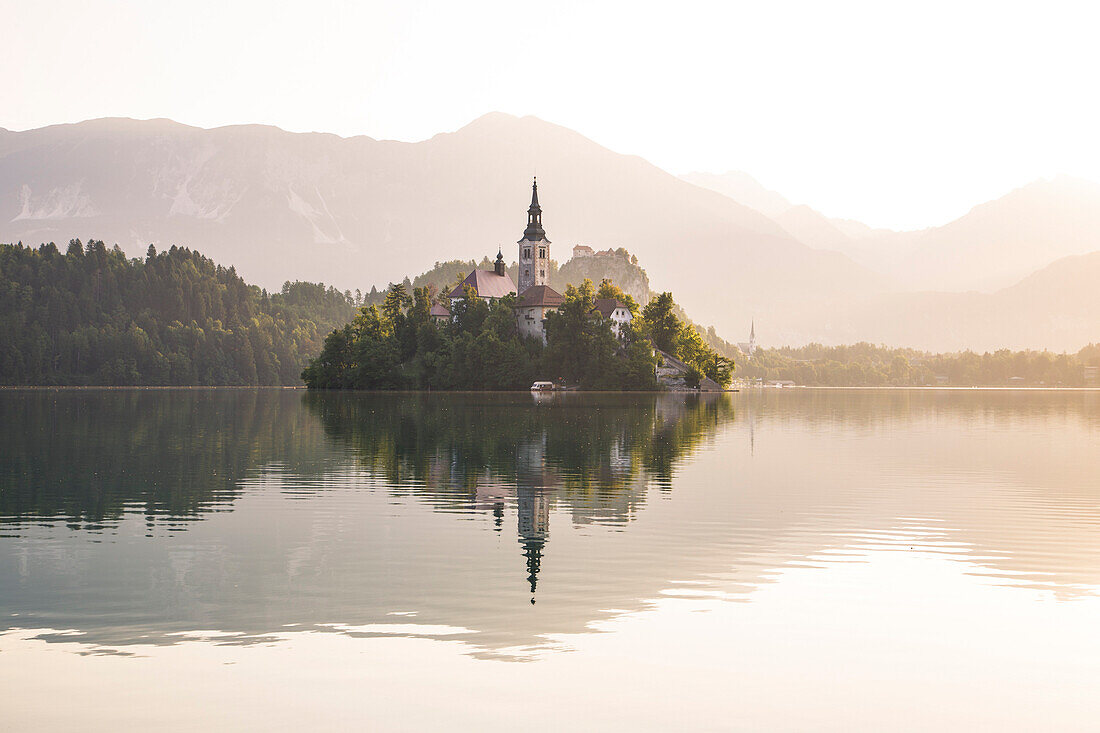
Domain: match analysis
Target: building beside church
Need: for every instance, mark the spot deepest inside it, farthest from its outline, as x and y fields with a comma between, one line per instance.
x=489, y=285
x=440, y=314
x=615, y=312
x=532, y=307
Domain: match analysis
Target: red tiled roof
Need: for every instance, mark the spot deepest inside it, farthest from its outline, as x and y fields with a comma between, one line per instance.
x=487, y=284
x=540, y=296
x=607, y=306
x=440, y=310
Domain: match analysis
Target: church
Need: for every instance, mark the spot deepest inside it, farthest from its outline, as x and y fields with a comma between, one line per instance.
x=535, y=296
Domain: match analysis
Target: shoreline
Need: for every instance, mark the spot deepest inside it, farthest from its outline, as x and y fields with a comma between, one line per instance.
x=303, y=388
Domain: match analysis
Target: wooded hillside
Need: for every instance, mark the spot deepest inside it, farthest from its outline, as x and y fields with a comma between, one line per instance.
x=92, y=316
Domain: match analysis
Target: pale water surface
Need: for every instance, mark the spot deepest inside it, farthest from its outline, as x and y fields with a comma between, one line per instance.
x=781, y=560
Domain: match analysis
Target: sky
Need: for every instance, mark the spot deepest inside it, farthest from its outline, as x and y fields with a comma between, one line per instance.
x=899, y=115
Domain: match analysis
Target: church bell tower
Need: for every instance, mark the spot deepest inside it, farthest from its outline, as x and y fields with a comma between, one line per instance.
x=534, y=248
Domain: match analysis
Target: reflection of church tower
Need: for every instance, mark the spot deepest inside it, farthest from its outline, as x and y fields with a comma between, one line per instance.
x=534, y=248
x=534, y=528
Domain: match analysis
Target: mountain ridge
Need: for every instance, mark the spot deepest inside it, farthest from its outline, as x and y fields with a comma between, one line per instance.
x=357, y=211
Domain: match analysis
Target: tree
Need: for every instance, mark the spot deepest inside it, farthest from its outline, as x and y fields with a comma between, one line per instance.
x=612, y=291
x=660, y=323
x=93, y=316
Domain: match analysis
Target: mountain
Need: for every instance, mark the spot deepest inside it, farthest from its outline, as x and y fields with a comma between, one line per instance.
x=1055, y=308
x=1002, y=241
x=813, y=228
x=357, y=211
x=871, y=248
x=742, y=188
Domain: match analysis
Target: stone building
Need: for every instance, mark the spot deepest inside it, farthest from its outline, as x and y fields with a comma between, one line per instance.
x=532, y=307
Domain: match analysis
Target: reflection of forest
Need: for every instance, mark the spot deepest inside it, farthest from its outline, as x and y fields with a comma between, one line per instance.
x=91, y=455
x=592, y=454
x=343, y=509
x=584, y=444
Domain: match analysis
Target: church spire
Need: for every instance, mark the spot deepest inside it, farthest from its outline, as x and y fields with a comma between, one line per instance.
x=534, y=231
x=534, y=248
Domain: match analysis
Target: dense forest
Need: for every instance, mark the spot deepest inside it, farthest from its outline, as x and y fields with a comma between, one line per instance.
x=399, y=346
x=92, y=316
x=868, y=365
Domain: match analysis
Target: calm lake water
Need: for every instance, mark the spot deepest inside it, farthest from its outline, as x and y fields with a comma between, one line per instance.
x=779, y=560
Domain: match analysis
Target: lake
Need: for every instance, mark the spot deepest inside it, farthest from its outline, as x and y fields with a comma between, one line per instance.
x=767, y=560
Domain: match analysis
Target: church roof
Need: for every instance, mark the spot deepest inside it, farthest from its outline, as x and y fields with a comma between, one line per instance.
x=607, y=306
x=487, y=284
x=540, y=296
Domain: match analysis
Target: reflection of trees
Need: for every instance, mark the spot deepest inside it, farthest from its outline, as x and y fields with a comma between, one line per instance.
x=593, y=453
x=90, y=456
x=584, y=445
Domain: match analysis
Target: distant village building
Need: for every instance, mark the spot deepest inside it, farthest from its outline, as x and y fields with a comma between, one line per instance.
x=582, y=250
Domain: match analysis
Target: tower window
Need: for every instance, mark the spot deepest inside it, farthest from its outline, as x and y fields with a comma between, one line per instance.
x=526, y=253
x=542, y=273
x=542, y=252
x=526, y=273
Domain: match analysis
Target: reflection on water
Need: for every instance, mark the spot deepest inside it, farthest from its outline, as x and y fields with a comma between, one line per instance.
x=509, y=522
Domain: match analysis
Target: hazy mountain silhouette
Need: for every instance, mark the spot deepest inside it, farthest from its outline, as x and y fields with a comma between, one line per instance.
x=356, y=211
x=992, y=246
x=742, y=188
x=1055, y=308
x=865, y=245
x=1001, y=241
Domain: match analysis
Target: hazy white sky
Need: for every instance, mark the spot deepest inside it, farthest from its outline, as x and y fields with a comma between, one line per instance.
x=901, y=115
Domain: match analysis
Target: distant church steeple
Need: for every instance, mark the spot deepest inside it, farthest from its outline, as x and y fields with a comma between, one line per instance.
x=534, y=248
